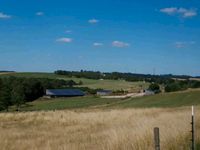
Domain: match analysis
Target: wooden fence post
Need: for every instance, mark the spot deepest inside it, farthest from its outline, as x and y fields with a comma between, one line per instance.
x=156, y=138
x=193, y=130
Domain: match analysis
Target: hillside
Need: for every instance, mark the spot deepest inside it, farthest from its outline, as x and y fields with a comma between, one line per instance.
x=91, y=83
x=115, y=129
x=176, y=99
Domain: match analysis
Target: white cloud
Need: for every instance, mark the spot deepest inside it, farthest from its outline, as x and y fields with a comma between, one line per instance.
x=120, y=44
x=183, y=12
x=169, y=11
x=40, y=13
x=189, y=14
x=93, y=21
x=64, y=40
x=184, y=44
x=4, y=16
x=97, y=44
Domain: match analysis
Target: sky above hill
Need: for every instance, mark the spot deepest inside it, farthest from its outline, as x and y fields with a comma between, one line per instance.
x=139, y=36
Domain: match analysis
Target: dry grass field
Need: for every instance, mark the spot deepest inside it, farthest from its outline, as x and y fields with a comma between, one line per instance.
x=94, y=129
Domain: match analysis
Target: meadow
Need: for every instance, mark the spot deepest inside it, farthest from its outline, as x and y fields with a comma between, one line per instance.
x=91, y=122
x=90, y=83
x=85, y=129
x=163, y=100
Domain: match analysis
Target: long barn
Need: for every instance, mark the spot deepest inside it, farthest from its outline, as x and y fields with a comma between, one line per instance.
x=64, y=92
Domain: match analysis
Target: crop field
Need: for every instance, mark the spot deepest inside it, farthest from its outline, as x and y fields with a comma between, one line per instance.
x=94, y=84
x=110, y=129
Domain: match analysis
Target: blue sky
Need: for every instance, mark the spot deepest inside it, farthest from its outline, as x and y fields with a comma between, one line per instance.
x=108, y=35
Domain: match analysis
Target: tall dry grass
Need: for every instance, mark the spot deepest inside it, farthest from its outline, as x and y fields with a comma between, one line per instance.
x=96, y=129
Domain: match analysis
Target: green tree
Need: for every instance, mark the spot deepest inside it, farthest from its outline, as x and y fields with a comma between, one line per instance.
x=172, y=87
x=71, y=83
x=5, y=96
x=154, y=87
x=80, y=82
x=18, y=96
x=1, y=97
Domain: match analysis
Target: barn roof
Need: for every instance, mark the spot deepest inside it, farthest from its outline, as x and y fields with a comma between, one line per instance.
x=64, y=92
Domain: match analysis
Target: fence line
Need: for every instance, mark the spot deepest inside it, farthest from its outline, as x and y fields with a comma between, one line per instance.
x=157, y=136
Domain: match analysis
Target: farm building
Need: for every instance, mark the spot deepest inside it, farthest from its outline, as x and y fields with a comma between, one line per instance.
x=64, y=92
x=149, y=92
x=104, y=92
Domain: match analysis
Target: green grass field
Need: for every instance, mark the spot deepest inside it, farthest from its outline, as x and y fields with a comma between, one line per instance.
x=176, y=99
x=186, y=98
x=94, y=84
x=161, y=100
x=68, y=103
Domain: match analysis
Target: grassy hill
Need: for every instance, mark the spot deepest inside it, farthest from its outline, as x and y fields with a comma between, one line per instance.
x=186, y=98
x=177, y=99
x=113, y=129
x=94, y=84
x=68, y=103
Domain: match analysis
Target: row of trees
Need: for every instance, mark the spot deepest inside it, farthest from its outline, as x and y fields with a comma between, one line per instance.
x=17, y=91
x=181, y=85
x=118, y=75
x=169, y=81
x=175, y=85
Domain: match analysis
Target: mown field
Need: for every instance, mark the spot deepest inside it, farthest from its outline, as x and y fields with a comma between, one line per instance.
x=94, y=84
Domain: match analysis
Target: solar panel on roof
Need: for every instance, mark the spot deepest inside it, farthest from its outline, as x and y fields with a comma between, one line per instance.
x=64, y=92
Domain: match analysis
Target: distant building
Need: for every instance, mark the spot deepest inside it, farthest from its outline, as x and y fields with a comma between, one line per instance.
x=104, y=92
x=148, y=92
x=64, y=92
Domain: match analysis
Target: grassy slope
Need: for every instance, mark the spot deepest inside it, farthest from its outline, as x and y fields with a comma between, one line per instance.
x=161, y=100
x=175, y=99
x=105, y=84
x=121, y=129
x=68, y=103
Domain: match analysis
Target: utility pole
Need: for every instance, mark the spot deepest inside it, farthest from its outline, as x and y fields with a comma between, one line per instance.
x=154, y=71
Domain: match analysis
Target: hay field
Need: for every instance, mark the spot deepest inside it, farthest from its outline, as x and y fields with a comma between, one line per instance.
x=116, y=129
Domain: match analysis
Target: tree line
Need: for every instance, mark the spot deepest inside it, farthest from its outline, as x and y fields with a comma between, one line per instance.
x=181, y=85
x=119, y=75
x=18, y=90
x=174, y=85
x=169, y=82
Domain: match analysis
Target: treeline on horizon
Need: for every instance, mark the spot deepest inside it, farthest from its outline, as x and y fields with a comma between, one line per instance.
x=169, y=82
x=120, y=75
x=1, y=71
